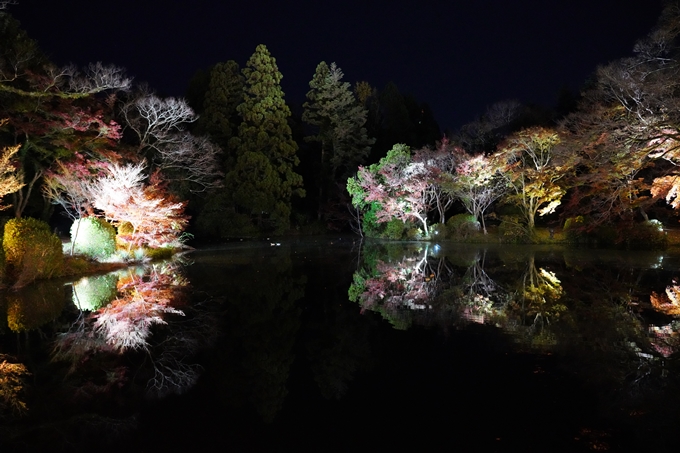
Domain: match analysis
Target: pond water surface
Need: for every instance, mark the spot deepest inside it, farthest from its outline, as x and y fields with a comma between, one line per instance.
x=334, y=345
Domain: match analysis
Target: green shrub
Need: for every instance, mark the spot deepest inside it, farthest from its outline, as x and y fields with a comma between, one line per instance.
x=414, y=233
x=648, y=233
x=93, y=237
x=573, y=228
x=462, y=226
x=32, y=251
x=394, y=229
x=438, y=231
x=513, y=229
x=369, y=223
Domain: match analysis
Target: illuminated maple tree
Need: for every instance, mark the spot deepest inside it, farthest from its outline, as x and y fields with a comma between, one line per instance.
x=10, y=178
x=156, y=219
x=69, y=184
x=533, y=170
x=477, y=183
x=440, y=165
x=625, y=134
x=397, y=185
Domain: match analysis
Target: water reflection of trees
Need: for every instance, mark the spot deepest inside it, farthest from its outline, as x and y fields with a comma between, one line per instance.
x=562, y=302
x=665, y=333
x=401, y=284
x=259, y=292
x=34, y=306
x=129, y=334
x=144, y=298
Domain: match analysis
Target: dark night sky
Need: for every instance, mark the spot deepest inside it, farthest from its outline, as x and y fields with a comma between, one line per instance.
x=458, y=56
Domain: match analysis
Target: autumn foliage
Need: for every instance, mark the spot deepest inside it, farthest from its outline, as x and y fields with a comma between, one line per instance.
x=124, y=197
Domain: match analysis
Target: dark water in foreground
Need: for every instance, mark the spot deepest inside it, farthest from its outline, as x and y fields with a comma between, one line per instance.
x=327, y=345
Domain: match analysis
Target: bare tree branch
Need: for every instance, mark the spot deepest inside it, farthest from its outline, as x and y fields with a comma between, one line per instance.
x=99, y=78
x=196, y=158
x=156, y=120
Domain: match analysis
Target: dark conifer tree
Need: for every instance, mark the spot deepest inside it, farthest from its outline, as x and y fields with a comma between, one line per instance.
x=339, y=121
x=219, y=118
x=263, y=179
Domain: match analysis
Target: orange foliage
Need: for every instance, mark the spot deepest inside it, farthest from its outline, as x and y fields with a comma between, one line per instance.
x=11, y=387
x=667, y=187
x=667, y=303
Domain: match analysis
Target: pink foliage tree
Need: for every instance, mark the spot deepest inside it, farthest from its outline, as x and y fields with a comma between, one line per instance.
x=440, y=165
x=398, y=185
x=156, y=219
x=69, y=184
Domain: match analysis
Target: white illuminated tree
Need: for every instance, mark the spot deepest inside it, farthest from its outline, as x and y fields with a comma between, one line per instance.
x=156, y=120
x=156, y=219
x=478, y=183
x=160, y=128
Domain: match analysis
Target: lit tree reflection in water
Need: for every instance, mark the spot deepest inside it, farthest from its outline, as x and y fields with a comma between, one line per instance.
x=397, y=287
x=92, y=292
x=143, y=298
x=665, y=338
x=555, y=304
x=537, y=303
x=33, y=306
x=475, y=297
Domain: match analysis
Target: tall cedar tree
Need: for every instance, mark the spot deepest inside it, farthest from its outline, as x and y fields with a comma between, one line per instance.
x=262, y=181
x=219, y=118
x=339, y=120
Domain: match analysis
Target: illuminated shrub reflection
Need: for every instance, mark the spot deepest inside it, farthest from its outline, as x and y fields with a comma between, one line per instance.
x=33, y=306
x=665, y=339
x=12, y=376
x=91, y=293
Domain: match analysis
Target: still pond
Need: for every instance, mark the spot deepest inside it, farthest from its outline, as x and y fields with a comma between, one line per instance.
x=332, y=345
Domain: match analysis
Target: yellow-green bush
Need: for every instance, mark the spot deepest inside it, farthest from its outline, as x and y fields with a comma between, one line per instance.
x=394, y=229
x=126, y=228
x=93, y=237
x=32, y=251
x=513, y=229
x=162, y=253
x=574, y=229
x=462, y=226
x=438, y=231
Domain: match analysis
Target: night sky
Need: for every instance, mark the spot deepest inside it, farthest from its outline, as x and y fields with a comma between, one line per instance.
x=458, y=56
